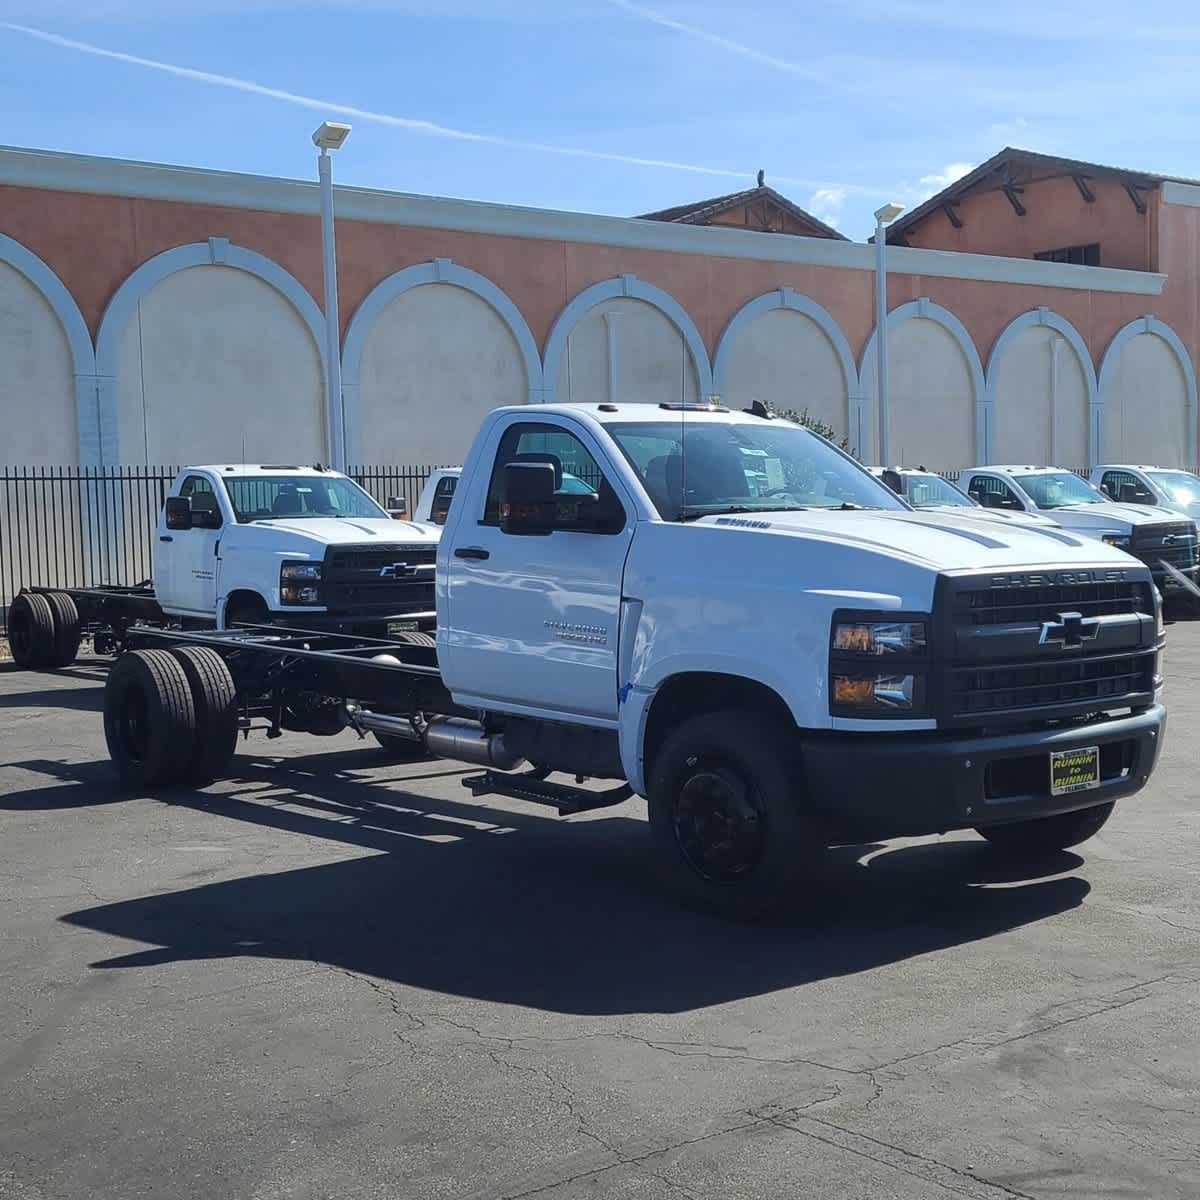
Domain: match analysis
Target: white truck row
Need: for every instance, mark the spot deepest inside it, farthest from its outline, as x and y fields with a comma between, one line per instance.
x=716, y=611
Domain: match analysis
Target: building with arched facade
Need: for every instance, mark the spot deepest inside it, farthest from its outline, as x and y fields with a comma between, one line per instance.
x=153, y=314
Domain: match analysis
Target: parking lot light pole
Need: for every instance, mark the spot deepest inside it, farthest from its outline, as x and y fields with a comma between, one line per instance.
x=329, y=136
x=883, y=217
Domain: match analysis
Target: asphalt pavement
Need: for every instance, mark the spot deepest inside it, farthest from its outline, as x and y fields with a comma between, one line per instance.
x=335, y=977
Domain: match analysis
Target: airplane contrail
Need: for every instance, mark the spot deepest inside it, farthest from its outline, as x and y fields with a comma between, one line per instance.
x=409, y=124
x=716, y=39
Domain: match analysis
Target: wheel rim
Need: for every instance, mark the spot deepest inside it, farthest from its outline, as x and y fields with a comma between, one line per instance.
x=720, y=822
x=20, y=631
x=132, y=724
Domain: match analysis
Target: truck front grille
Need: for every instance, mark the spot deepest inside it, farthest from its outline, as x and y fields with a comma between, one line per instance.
x=1100, y=682
x=1171, y=542
x=1003, y=652
x=391, y=580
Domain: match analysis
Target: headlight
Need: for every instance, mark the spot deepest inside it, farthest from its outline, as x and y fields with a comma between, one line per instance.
x=879, y=637
x=888, y=693
x=300, y=570
x=878, y=668
x=1121, y=541
x=298, y=583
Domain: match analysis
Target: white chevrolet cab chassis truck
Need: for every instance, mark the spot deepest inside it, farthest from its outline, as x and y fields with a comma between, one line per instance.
x=725, y=615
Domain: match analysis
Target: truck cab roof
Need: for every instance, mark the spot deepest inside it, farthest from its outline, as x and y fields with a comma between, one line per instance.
x=262, y=469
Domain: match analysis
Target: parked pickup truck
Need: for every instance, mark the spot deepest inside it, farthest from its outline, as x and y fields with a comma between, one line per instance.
x=249, y=545
x=306, y=545
x=929, y=492
x=777, y=669
x=1159, y=539
x=1164, y=487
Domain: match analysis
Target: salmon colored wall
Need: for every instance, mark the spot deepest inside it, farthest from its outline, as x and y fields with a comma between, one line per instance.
x=94, y=242
x=1056, y=216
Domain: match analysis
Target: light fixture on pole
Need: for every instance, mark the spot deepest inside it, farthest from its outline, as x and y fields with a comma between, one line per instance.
x=883, y=217
x=329, y=136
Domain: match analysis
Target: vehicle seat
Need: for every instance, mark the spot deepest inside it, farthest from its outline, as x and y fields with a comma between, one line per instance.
x=287, y=503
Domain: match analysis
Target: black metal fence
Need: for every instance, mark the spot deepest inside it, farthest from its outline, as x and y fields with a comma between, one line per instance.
x=84, y=526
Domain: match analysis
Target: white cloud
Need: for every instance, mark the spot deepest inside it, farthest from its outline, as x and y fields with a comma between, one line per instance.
x=930, y=185
x=826, y=204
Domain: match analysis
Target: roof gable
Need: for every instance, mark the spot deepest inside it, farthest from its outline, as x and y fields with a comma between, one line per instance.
x=758, y=202
x=1012, y=168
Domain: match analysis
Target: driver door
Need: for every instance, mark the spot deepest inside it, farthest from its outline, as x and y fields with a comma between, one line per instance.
x=531, y=621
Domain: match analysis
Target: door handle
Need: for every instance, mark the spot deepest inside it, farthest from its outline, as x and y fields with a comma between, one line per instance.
x=472, y=552
x=165, y=537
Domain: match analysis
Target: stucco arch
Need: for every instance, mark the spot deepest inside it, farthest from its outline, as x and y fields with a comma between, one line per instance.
x=217, y=252
x=79, y=342
x=631, y=287
x=439, y=270
x=1035, y=318
x=925, y=309
x=1126, y=333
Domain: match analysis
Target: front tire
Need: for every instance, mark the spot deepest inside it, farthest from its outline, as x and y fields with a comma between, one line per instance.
x=1047, y=835
x=729, y=816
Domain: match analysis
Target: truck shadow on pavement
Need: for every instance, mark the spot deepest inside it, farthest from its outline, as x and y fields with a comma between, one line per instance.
x=520, y=907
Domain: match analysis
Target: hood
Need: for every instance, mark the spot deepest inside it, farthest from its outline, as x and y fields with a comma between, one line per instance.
x=937, y=541
x=1108, y=516
x=1188, y=509
x=990, y=514
x=339, y=531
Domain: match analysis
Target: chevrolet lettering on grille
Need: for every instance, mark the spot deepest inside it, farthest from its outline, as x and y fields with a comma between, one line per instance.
x=1070, y=629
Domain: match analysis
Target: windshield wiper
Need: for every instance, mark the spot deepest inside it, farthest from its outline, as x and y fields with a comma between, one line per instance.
x=850, y=506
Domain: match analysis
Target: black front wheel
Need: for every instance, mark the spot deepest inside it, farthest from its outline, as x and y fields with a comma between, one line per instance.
x=728, y=812
x=1048, y=835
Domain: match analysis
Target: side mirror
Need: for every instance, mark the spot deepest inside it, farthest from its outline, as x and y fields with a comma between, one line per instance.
x=440, y=509
x=179, y=512
x=397, y=508
x=894, y=481
x=527, y=503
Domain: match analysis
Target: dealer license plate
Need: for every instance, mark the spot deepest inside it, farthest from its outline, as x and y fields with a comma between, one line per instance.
x=1074, y=770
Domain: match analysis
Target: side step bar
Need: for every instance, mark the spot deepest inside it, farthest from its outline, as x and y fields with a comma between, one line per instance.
x=566, y=799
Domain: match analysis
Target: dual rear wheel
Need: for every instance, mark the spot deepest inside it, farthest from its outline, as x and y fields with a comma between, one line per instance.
x=44, y=630
x=170, y=716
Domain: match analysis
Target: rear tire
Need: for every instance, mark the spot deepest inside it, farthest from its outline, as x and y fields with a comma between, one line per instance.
x=31, y=636
x=149, y=718
x=728, y=813
x=214, y=697
x=68, y=629
x=1047, y=835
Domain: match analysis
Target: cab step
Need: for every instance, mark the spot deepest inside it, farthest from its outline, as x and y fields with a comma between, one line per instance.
x=532, y=787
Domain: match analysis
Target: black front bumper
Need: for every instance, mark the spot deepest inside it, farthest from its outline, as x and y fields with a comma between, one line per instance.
x=879, y=785
x=368, y=623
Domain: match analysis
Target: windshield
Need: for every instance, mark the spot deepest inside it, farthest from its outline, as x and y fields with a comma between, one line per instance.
x=1059, y=489
x=709, y=467
x=1181, y=488
x=261, y=497
x=925, y=491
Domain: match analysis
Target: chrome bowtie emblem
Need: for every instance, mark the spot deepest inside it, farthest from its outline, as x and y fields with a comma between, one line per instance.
x=1071, y=629
x=397, y=571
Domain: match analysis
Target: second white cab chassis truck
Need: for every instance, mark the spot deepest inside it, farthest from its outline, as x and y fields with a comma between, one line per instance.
x=728, y=616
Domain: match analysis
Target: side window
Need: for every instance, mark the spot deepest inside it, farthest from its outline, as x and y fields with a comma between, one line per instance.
x=588, y=502
x=1126, y=488
x=992, y=492
x=442, y=496
x=205, y=511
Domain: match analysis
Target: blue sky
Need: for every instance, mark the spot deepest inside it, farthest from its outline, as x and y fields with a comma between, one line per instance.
x=611, y=106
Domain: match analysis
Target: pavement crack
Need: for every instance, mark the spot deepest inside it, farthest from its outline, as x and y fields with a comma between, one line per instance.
x=910, y=1162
